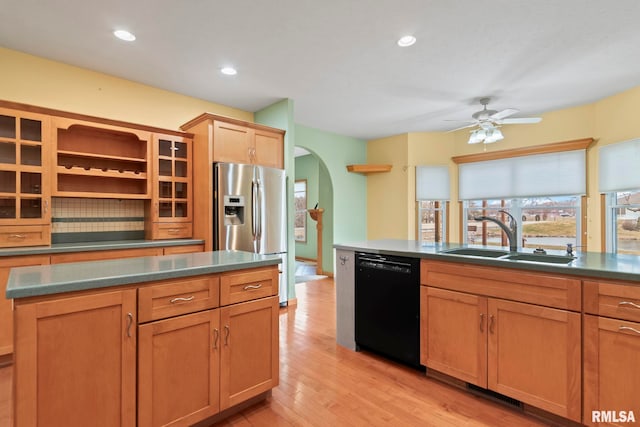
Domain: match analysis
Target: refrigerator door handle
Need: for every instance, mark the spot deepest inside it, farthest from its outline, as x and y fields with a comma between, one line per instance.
x=259, y=213
x=254, y=203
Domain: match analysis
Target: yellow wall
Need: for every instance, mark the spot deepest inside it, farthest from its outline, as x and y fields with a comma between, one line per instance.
x=33, y=80
x=607, y=121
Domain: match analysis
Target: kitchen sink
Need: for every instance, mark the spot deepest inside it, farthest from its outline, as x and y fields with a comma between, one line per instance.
x=487, y=253
x=542, y=258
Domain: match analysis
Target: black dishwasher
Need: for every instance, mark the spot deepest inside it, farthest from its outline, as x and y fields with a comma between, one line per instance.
x=387, y=306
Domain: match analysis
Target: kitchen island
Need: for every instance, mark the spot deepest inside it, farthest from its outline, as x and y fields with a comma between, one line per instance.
x=556, y=337
x=156, y=340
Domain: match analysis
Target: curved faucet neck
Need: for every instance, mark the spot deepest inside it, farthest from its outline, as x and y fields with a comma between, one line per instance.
x=511, y=231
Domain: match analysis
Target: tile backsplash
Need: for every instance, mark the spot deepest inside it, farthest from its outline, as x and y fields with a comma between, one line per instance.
x=96, y=216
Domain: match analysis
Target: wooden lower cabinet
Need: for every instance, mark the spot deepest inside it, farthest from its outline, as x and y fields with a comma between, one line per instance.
x=525, y=351
x=250, y=350
x=179, y=369
x=75, y=361
x=611, y=374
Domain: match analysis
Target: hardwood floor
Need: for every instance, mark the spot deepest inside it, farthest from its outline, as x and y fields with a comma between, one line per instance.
x=323, y=384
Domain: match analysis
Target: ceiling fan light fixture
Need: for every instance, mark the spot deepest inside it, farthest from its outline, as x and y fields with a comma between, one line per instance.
x=124, y=35
x=494, y=135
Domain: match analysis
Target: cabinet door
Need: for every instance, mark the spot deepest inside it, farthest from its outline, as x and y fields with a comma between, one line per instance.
x=453, y=334
x=178, y=370
x=24, y=166
x=75, y=361
x=249, y=358
x=268, y=149
x=534, y=356
x=231, y=143
x=611, y=374
x=6, y=305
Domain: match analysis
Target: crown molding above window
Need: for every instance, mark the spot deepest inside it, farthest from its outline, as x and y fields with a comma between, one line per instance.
x=554, y=147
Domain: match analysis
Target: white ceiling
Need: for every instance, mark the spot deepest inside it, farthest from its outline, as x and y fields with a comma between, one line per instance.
x=338, y=59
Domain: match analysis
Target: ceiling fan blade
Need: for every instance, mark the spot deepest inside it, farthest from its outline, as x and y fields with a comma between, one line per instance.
x=521, y=120
x=470, y=125
x=504, y=113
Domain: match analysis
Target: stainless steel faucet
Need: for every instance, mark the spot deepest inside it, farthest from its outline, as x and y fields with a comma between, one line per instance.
x=511, y=231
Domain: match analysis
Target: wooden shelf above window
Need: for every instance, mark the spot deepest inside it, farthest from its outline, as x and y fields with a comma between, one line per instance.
x=365, y=169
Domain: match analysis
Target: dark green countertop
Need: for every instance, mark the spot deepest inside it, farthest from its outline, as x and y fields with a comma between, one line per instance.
x=586, y=264
x=96, y=246
x=77, y=276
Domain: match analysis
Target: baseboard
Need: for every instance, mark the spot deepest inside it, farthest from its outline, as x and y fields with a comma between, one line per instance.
x=233, y=410
x=300, y=258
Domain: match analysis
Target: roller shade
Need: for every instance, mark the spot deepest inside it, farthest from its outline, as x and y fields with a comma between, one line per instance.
x=432, y=183
x=619, y=166
x=552, y=174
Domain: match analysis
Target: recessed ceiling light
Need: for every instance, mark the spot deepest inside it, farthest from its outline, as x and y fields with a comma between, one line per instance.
x=406, y=41
x=124, y=35
x=229, y=71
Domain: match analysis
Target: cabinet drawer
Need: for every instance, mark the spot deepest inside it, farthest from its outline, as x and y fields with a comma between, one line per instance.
x=186, y=249
x=517, y=285
x=104, y=255
x=175, y=297
x=611, y=299
x=180, y=230
x=25, y=235
x=248, y=285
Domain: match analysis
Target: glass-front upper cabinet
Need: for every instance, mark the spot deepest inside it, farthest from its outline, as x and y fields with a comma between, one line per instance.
x=171, y=203
x=24, y=157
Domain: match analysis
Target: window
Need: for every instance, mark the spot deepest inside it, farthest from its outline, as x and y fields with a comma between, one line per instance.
x=300, y=201
x=623, y=222
x=543, y=222
x=432, y=224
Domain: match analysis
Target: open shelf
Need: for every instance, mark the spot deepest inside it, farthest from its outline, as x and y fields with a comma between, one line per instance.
x=109, y=173
x=365, y=169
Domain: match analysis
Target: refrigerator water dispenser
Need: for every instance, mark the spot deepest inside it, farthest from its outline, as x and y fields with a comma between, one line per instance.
x=233, y=210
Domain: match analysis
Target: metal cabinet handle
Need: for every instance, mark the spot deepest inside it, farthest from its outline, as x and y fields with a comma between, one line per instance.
x=250, y=287
x=632, y=304
x=181, y=299
x=481, y=322
x=216, y=335
x=343, y=259
x=491, y=319
x=129, y=324
x=629, y=328
x=46, y=206
x=17, y=236
x=226, y=334
x=174, y=230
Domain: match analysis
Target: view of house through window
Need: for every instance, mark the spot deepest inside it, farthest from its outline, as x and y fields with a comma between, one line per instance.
x=431, y=221
x=623, y=224
x=300, y=201
x=543, y=222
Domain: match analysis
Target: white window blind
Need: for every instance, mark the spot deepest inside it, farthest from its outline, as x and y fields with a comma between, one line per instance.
x=618, y=166
x=432, y=183
x=551, y=174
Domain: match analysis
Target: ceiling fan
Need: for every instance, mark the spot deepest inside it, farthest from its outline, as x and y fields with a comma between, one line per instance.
x=488, y=122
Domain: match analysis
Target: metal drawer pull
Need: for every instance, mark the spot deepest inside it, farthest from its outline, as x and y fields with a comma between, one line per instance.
x=216, y=335
x=129, y=324
x=343, y=259
x=17, y=236
x=226, y=334
x=491, y=318
x=481, y=322
x=249, y=287
x=632, y=304
x=180, y=299
x=629, y=328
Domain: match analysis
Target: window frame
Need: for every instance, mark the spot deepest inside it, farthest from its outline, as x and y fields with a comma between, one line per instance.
x=300, y=211
x=610, y=224
x=441, y=214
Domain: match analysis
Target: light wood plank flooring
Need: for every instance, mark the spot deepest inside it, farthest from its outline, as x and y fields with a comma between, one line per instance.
x=323, y=384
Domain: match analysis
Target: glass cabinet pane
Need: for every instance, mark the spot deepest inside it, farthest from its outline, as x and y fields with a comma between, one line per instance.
x=30, y=183
x=165, y=148
x=30, y=208
x=181, y=210
x=181, y=168
x=7, y=207
x=31, y=155
x=7, y=152
x=180, y=150
x=31, y=130
x=181, y=190
x=164, y=167
x=165, y=210
x=165, y=190
x=7, y=127
x=7, y=182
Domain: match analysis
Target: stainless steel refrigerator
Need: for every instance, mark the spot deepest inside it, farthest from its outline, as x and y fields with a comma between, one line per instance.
x=250, y=212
